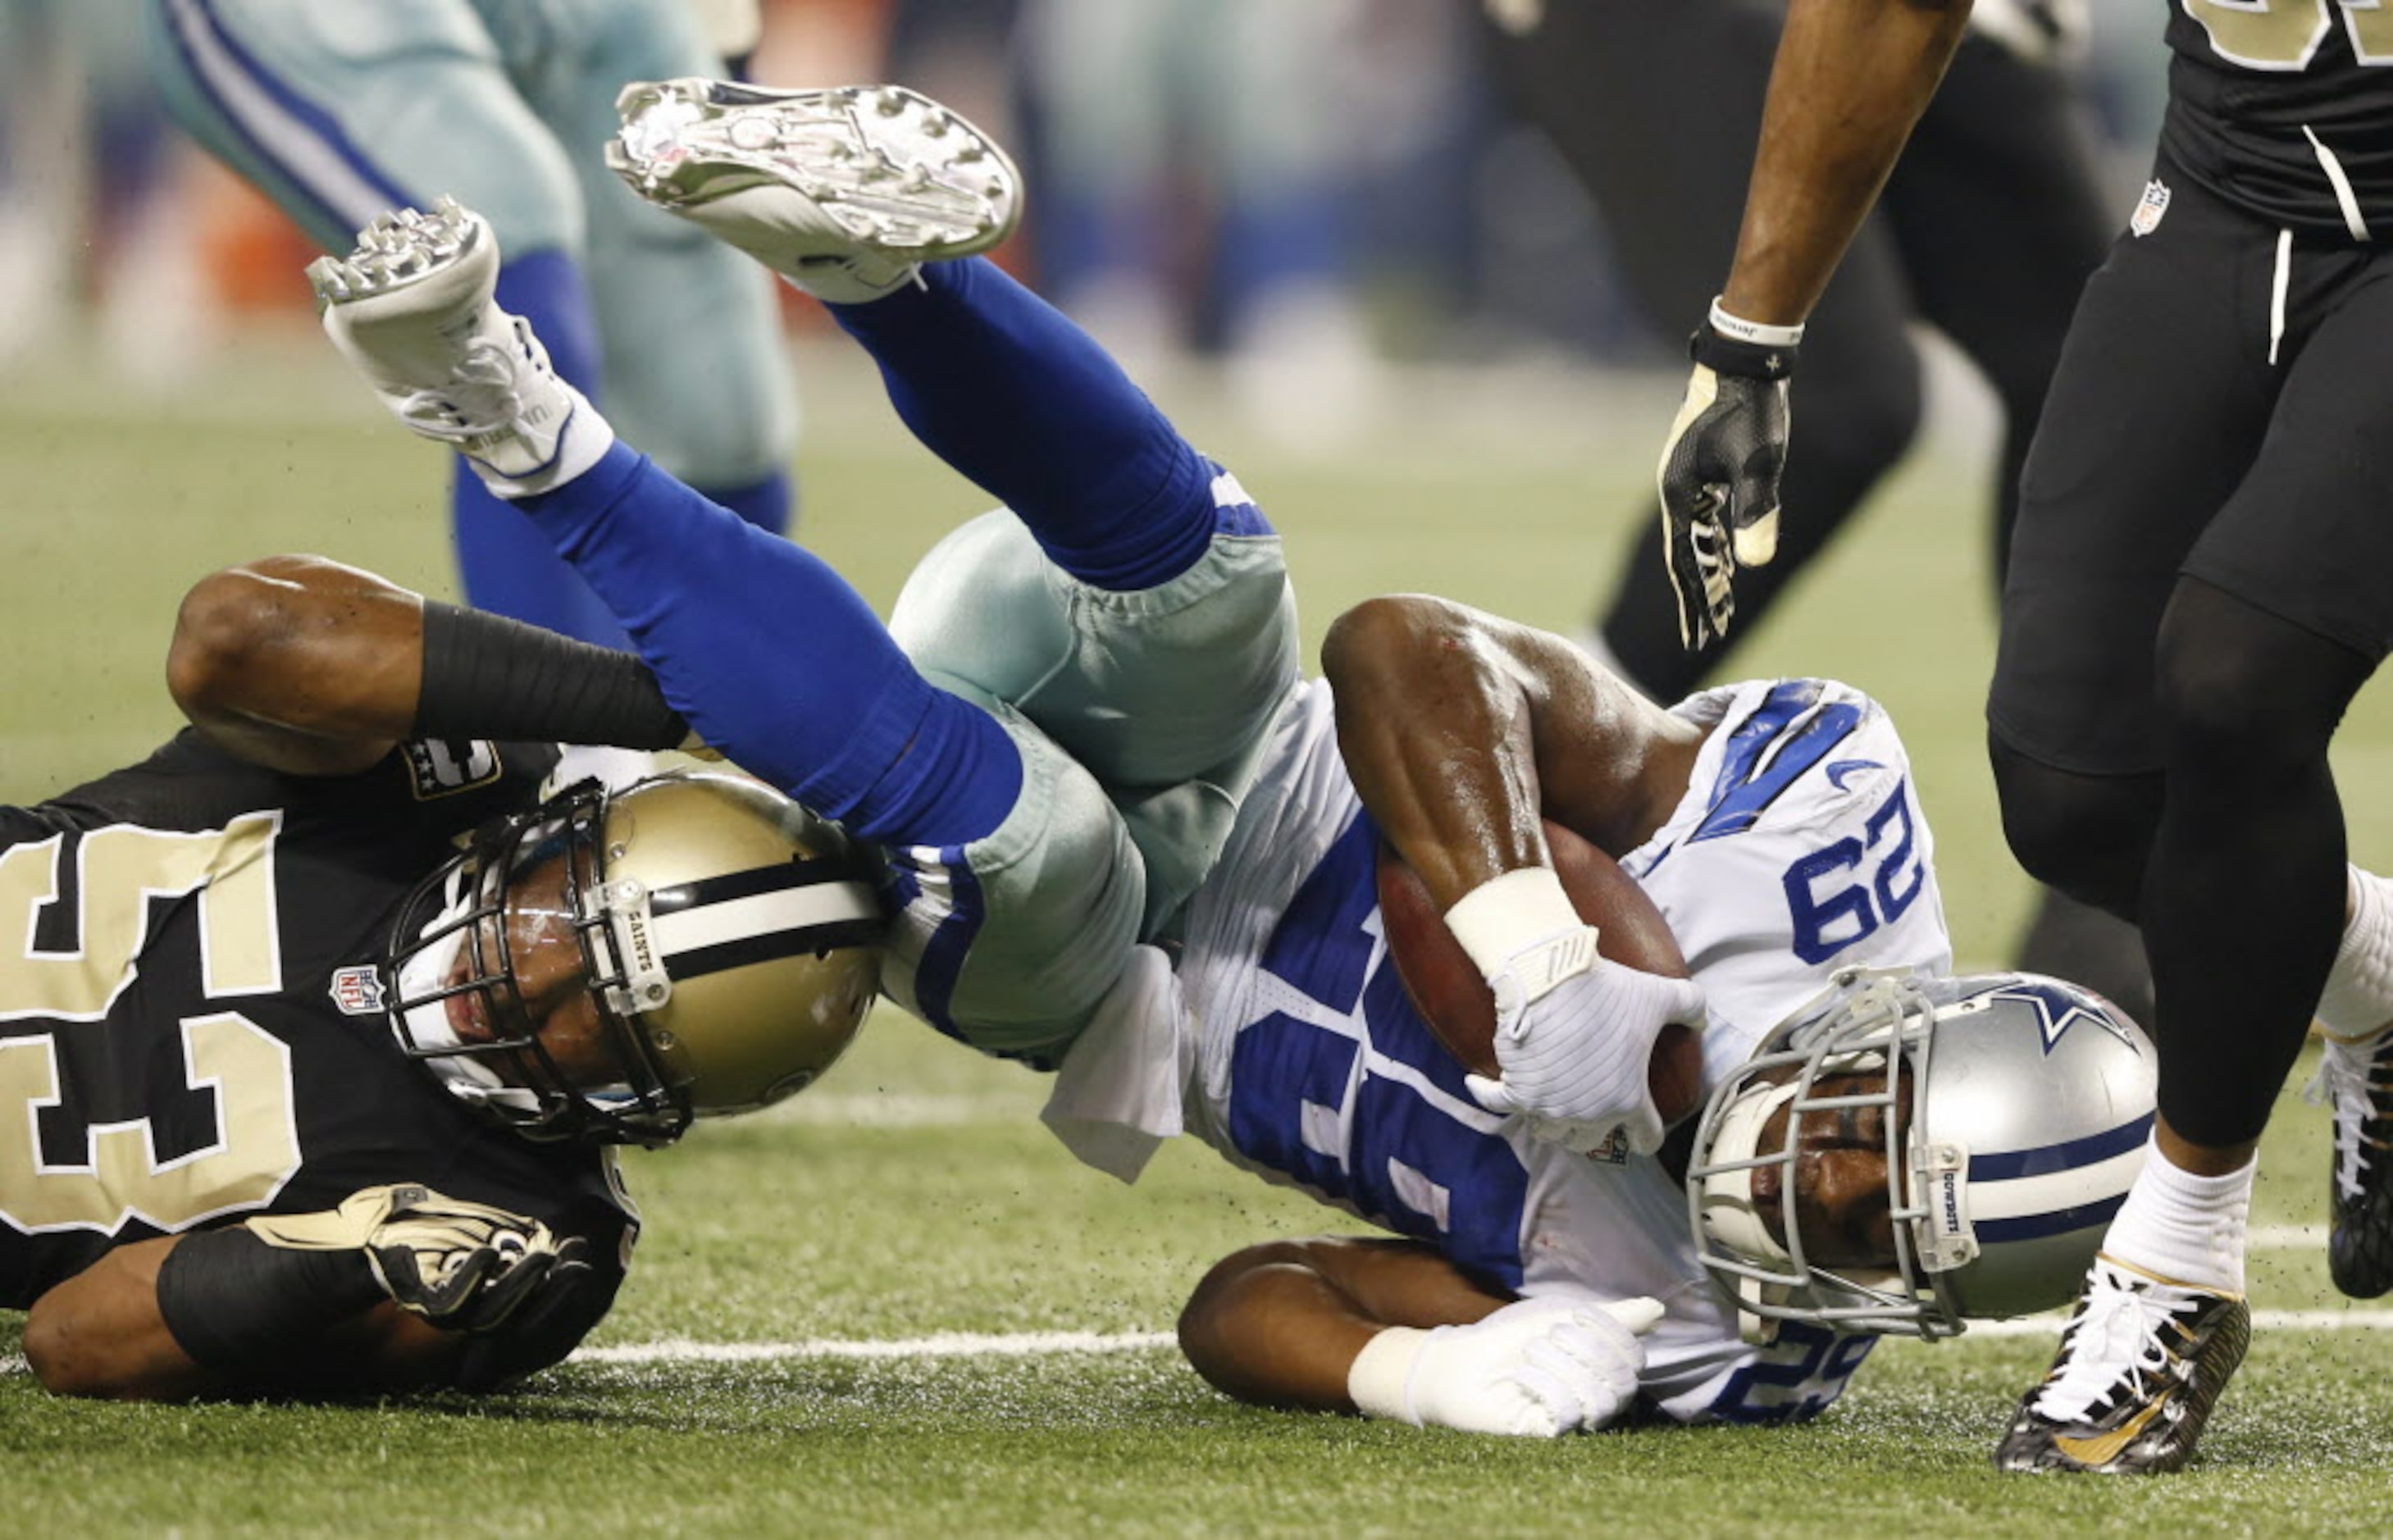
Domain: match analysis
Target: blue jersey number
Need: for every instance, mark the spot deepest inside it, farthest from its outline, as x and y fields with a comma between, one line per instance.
x=1795, y=1377
x=1305, y=1101
x=1838, y=894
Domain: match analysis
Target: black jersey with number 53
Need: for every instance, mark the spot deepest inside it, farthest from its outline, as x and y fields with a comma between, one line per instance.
x=190, y=1026
x=2285, y=108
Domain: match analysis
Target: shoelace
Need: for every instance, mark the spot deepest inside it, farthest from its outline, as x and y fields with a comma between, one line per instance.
x=479, y=399
x=2345, y=1075
x=2114, y=1345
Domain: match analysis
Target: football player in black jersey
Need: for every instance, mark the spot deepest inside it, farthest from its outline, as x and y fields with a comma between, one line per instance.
x=1987, y=232
x=318, y=1024
x=2196, y=592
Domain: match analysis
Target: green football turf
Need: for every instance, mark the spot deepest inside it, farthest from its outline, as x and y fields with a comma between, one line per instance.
x=913, y=1193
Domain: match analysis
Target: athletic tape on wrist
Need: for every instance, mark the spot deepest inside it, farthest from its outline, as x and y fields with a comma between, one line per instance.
x=1511, y=914
x=1759, y=333
x=1379, y=1382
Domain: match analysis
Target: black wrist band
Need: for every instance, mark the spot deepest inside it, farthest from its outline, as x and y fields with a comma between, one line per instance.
x=245, y=1308
x=1749, y=361
x=487, y=676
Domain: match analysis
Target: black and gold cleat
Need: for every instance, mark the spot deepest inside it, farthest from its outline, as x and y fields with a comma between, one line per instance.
x=2358, y=1078
x=2140, y=1365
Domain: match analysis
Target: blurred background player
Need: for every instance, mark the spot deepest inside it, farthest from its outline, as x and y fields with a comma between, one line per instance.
x=337, y=111
x=301, y=1100
x=1987, y=232
x=93, y=197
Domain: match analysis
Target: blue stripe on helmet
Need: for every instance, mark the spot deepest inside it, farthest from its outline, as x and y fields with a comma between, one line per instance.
x=2058, y=1221
x=2049, y=1159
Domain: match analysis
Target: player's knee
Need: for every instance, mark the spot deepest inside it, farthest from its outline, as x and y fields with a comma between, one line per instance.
x=2243, y=693
x=2086, y=835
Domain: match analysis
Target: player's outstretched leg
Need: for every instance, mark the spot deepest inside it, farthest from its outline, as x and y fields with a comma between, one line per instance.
x=843, y=191
x=849, y=727
x=2141, y=1363
x=865, y=197
x=411, y=307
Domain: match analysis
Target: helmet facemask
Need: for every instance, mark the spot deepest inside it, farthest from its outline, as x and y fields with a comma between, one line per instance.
x=1828, y=1062
x=755, y=903
x=2011, y=1125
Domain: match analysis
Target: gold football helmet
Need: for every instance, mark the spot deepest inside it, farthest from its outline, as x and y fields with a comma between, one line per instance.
x=612, y=964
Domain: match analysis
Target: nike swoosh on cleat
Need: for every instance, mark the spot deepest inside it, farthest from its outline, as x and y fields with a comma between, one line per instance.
x=2103, y=1450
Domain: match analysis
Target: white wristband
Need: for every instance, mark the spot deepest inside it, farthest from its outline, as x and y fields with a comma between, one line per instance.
x=1379, y=1382
x=1505, y=916
x=1759, y=333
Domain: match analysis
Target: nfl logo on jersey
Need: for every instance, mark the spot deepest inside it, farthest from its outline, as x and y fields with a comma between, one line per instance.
x=2149, y=209
x=357, y=991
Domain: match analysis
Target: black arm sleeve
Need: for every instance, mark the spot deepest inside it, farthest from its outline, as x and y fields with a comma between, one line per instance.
x=487, y=676
x=247, y=1309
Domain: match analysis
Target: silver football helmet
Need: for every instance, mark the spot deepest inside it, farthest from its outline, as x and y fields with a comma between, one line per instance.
x=611, y=964
x=2003, y=1116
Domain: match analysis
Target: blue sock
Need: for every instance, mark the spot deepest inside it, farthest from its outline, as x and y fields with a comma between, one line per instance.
x=777, y=661
x=1002, y=386
x=504, y=564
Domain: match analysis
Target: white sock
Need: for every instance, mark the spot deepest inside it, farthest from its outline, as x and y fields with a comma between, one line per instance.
x=2184, y=1228
x=2357, y=1000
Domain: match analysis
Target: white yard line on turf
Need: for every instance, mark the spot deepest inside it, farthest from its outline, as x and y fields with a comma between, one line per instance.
x=940, y=1345
x=1035, y=1344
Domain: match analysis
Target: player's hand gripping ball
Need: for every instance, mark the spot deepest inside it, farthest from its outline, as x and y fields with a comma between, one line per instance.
x=1447, y=987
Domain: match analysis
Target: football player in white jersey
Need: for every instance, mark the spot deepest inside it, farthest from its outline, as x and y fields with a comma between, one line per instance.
x=1127, y=840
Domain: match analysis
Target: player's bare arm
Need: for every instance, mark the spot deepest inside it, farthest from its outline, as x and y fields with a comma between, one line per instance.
x=1463, y=730
x=376, y=1294
x=1852, y=78
x=1461, y=733
x=100, y=1334
x=1280, y=1324
x=307, y=666
x=299, y=663
x=1394, y=1329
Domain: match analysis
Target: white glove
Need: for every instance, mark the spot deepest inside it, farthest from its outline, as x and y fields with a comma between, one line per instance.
x=1536, y=1368
x=1575, y=1040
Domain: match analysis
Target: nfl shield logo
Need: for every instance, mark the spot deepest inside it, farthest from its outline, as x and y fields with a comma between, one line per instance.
x=2149, y=209
x=357, y=991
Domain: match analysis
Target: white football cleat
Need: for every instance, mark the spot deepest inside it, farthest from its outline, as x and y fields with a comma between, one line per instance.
x=411, y=307
x=842, y=191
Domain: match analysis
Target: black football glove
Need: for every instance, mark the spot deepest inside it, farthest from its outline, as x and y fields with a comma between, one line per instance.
x=1719, y=477
x=462, y=1266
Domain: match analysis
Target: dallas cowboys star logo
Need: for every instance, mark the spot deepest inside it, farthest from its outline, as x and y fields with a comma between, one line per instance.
x=2057, y=1009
